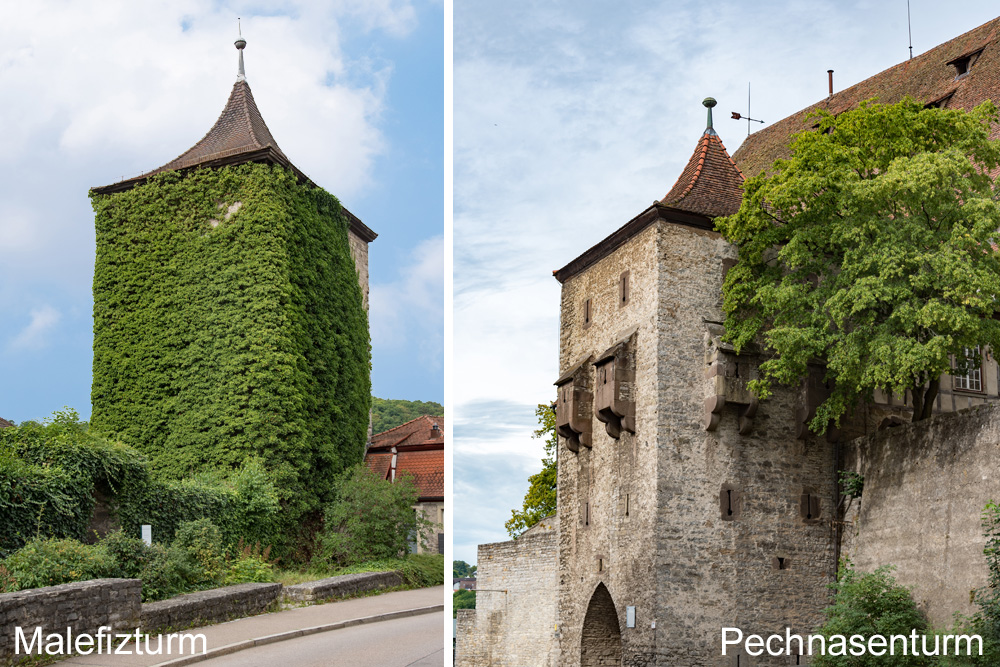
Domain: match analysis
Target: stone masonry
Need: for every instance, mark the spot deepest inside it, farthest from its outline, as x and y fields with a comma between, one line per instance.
x=925, y=486
x=84, y=606
x=514, y=623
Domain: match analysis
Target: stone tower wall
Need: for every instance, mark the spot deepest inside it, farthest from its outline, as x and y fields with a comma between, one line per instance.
x=686, y=570
x=765, y=567
x=599, y=542
x=359, y=253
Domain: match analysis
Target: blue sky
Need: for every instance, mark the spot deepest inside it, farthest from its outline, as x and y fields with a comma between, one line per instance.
x=352, y=91
x=570, y=119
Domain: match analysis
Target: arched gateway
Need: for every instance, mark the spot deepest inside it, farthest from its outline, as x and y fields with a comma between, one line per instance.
x=601, y=642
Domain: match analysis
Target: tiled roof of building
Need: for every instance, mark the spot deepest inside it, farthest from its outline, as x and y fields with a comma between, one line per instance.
x=239, y=136
x=931, y=77
x=419, y=451
x=4, y=423
x=711, y=183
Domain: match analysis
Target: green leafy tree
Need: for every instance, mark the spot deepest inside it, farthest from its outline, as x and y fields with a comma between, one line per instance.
x=870, y=250
x=463, y=599
x=389, y=413
x=540, y=500
x=460, y=569
x=869, y=604
x=370, y=519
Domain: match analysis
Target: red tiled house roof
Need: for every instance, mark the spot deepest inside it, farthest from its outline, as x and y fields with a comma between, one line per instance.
x=4, y=423
x=931, y=77
x=239, y=136
x=418, y=449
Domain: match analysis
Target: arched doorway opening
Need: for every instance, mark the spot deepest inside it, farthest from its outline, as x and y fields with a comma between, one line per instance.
x=601, y=641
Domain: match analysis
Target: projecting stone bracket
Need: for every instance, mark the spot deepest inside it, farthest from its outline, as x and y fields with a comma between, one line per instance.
x=573, y=406
x=727, y=375
x=813, y=392
x=615, y=395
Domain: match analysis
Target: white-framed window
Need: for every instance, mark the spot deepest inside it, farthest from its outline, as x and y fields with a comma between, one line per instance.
x=973, y=378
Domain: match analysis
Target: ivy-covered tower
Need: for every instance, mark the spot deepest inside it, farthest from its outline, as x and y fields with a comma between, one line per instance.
x=230, y=299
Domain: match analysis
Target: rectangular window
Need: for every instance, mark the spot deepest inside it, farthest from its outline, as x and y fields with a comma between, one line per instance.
x=972, y=380
x=623, y=289
x=587, y=314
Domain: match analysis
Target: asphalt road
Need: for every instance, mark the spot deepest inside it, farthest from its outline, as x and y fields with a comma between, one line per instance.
x=415, y=641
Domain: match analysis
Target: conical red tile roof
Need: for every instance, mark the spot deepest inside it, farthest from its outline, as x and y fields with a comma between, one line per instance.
x=711, y=183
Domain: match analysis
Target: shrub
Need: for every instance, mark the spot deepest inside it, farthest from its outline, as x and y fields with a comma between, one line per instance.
x=52, y=561
x=871, y=604
x=48, y=473
x=463, y=599
x=200, y=545
x=249, y=569
x=370, y=519
x=163, y=571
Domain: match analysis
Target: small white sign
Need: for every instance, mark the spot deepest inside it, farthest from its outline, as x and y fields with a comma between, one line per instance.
x=147, y=534
x=629, y=617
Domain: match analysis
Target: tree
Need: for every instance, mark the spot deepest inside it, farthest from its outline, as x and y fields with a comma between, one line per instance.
x=371, y=518
x=871, y=250
x=389, y=413
x=540, y=500
x=463, y=599
x=869, y=604
x=461, y=570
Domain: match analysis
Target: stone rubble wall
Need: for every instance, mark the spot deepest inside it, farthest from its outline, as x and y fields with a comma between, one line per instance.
x=343, y=585
x=84, y=606
x=211, y=606
x=925, y=486
x=514, y=622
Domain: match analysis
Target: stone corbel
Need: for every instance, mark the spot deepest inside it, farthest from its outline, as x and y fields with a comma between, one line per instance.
x=573, y=406
x=726, y=384
x=615, y=393
x=814, y=391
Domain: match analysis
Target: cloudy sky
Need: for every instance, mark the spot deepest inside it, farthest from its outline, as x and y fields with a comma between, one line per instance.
x=570, y=119
x=97, y=90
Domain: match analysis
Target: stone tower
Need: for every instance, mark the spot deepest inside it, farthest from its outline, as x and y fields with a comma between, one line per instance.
x=679, y=498
x=230, y=299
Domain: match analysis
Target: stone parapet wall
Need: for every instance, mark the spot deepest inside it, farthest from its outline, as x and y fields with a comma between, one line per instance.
x=925, y=486
x=345, y=584
x=83, y=606
x=514, y=623
x=211, y=606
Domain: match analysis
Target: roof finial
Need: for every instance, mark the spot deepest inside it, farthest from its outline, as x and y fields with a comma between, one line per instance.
x=241, y=44
x=709, y=102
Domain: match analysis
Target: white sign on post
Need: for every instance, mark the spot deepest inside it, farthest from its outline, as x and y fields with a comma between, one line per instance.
x=147, y=534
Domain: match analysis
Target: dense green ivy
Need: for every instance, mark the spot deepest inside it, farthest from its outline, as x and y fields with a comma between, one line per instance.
x=222, y=333
x=49, y=474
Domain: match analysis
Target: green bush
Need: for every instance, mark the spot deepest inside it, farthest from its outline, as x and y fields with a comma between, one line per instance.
x=48, y=474
x=164, y=572
x=463, y=599
x=870, y=604
x=249, y=569
x=52, y=561
x=200, y=543
x=370, y=519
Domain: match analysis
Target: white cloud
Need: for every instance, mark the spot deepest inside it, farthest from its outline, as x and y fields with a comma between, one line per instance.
x=411, y=307
x=572, y=117
x=35, y=335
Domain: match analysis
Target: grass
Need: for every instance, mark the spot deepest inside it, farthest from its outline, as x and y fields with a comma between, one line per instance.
x=418, y=570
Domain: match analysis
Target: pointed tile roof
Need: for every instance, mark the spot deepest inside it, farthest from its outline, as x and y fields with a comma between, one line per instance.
x=710, y=186
x=240, y=135
x=934, y=77
x=711, y=183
